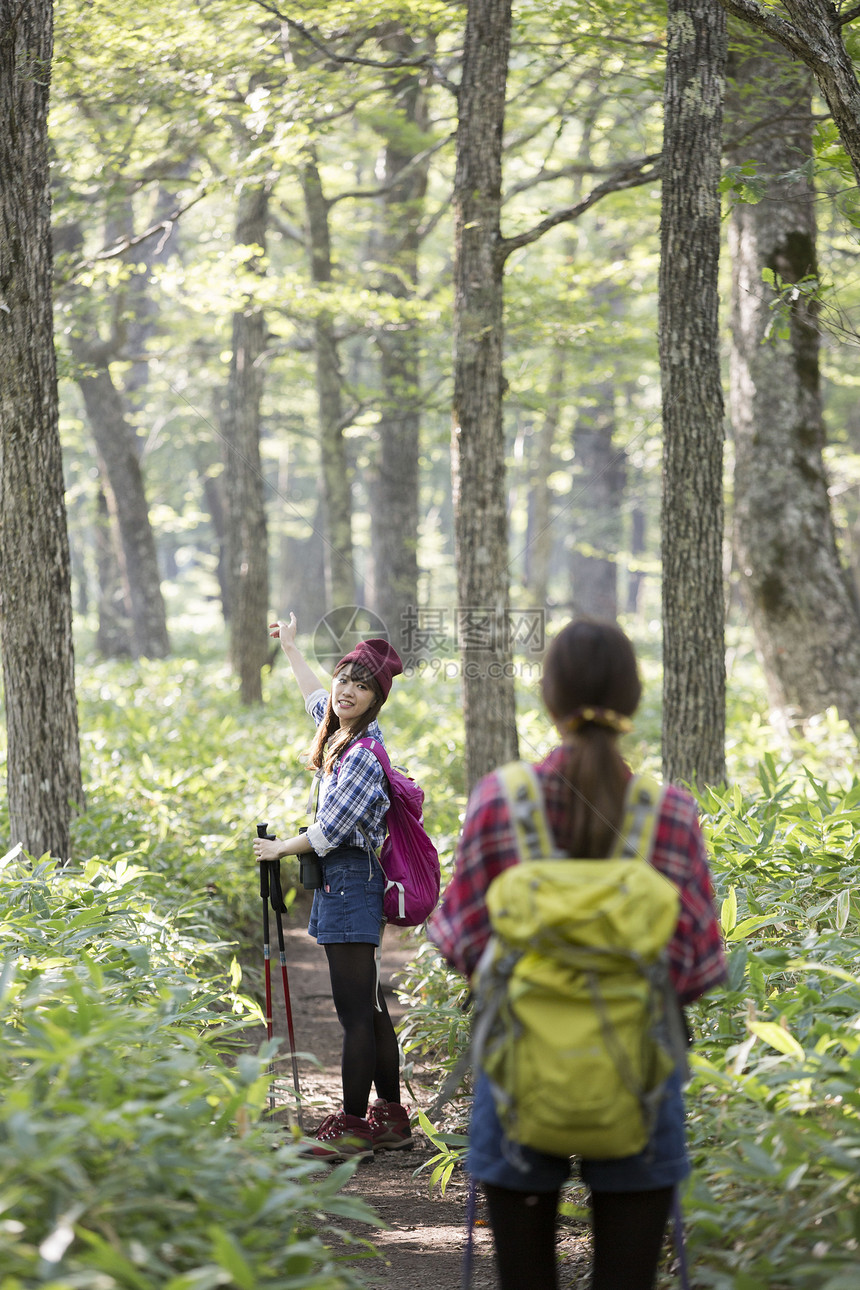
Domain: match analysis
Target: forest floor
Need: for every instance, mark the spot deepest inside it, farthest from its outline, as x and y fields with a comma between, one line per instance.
x=420, y=1245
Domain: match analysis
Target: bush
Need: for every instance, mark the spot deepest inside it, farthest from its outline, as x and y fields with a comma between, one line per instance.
x=132, y=1150
x=774, y=1102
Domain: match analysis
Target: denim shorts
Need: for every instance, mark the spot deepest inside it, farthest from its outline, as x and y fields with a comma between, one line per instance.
x=494, y=1159
x=348, y=906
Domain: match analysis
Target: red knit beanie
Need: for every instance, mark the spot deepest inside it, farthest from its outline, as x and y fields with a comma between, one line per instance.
x=380, y=659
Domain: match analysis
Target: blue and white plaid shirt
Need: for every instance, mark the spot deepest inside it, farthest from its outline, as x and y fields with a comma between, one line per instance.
x=353, y=802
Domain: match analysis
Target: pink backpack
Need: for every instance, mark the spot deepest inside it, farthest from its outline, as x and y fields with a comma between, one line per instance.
x=409, y=859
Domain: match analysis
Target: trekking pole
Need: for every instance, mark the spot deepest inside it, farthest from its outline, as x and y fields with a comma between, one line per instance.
x=680, y=1242
x=468, y=1259
x=270, y=1030
x=274, y=892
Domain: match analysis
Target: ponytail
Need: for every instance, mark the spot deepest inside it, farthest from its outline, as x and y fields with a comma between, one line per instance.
x=591, y=688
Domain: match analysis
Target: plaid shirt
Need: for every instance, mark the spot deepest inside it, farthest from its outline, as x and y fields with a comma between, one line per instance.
x=353, y=800
x=461, y=927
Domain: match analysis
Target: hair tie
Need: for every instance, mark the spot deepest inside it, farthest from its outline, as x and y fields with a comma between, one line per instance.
x=580, y=717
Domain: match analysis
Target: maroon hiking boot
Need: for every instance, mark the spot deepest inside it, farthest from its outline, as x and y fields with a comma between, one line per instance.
x=389, y=1125
x=342, y=1137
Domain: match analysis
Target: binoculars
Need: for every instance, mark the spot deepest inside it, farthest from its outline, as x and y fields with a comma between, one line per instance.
x=310, y=869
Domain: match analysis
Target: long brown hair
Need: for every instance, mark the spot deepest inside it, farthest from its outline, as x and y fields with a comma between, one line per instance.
x=590, y=669
x=332, y=740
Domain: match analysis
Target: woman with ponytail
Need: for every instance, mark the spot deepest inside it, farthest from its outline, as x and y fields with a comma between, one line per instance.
x=591, y=690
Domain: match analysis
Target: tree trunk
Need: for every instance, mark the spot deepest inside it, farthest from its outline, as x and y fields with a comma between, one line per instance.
x=636, y=577
x=478, y=450
x=142, y=310
x=209, y=467
x=539, y=533
x=692, y=511
x=815, y=35
x=394, y=510
x=336, y=489
x=598, y=481
x=113, y=635
x=126, y=495
x=244, y=487
x=43, y=754
x=804, y=614
x=300, y=564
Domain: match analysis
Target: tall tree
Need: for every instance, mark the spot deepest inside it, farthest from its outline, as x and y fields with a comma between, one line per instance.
x=539, y=527
x=804, y=614
x=478, y=457
x=336, y=472
x=693, y=616
x=43, y=761
x=599, y=471
x=246, y=533
x=123, y=484
x=113, y=634
x=478, y=460
x=395, y=514
x=94, y=350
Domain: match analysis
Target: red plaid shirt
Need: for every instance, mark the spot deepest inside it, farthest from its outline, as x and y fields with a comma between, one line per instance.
x=461, y=926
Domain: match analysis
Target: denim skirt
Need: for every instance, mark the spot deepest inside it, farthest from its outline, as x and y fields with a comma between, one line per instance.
x=494, y=1159
x=348, y=906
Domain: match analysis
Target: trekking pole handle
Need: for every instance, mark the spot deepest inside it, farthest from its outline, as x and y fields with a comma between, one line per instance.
x=262, y=832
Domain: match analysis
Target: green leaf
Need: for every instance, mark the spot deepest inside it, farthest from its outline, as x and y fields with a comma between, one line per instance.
x=843, y=908
x=231, y=1258
x=729, y=912
x=777, y=1037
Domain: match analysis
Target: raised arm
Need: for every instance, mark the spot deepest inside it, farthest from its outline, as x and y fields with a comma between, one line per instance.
x=286, y=634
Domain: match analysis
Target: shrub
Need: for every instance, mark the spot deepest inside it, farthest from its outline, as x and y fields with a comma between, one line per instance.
x=132, y=1150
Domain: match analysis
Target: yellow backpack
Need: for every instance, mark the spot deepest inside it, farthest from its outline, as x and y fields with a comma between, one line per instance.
x=577, y=1025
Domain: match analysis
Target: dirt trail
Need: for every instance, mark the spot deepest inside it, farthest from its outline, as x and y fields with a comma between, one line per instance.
x=421, y=1246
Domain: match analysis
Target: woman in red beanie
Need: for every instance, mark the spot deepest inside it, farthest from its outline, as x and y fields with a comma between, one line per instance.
x=346, y=917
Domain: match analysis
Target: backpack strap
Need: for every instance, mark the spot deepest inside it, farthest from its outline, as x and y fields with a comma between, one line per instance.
x=638, y=826
x=534, y=837
x=527, y=811
x=377, y=748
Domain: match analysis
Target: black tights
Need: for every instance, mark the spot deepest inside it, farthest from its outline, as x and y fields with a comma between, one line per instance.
x=370, y=1054
x=628, y=1230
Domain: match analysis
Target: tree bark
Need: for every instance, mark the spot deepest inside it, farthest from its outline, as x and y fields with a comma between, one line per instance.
x=539, y=533
x=113, y=634
x=394, y=510
x=599, y=482
x=43, y=754
x=599, y=476
x=692, y=509
x=244, y=488
x=336, y=481
x=636, y=577
x=208, y=461
x=804, y=614
x=478, y=453
x=126, y=497
x=814, y=35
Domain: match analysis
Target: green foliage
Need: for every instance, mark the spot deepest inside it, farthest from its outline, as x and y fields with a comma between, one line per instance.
x=436, y=1025
x=450, y=1148
x=774, y=1102
x=132, y=1150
